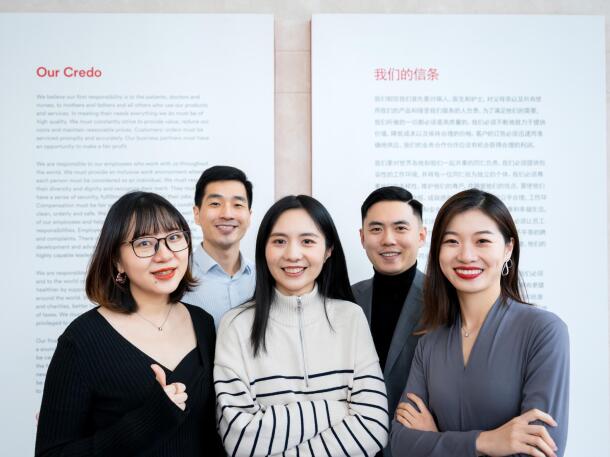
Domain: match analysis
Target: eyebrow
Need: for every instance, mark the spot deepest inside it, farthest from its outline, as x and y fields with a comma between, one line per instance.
x=151, y=235
x=300, y=235
x=480, y=232
x=235, y=197
x=400, y=222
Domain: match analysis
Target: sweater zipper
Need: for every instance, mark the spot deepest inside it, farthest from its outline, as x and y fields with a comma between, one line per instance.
x=301, y=337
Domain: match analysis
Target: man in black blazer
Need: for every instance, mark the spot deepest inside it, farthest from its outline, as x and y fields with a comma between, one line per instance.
x=392, y=233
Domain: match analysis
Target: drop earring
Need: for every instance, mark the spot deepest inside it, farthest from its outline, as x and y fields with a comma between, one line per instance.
x=506, y=267
x=121, y=278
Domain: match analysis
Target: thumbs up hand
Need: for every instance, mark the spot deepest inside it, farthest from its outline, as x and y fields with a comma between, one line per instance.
x=176, y=391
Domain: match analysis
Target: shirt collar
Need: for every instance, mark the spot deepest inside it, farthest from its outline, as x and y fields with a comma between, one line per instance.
x=205, y=262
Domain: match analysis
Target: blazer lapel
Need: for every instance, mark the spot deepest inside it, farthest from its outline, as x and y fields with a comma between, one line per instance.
x=407, y=322
x=365, y=298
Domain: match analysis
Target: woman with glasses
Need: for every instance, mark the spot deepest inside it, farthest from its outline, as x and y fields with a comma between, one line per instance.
x=134, y=375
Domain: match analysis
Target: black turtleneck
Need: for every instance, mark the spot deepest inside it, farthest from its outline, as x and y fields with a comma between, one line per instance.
x=389, y=294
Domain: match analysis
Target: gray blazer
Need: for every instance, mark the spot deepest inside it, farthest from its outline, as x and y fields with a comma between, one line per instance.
x=402, y=347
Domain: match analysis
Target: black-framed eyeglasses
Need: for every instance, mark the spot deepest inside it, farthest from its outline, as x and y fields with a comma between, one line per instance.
x=147, y=246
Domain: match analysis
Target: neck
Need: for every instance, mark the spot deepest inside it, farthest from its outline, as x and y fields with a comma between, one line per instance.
x=151, y=305
x=288, y=293
x=227, y=258
x=475, y=306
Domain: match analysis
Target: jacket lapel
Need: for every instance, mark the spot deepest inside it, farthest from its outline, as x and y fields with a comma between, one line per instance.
x=407, y=322
x=365, y=298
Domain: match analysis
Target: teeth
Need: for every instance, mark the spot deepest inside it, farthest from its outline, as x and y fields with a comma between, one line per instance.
x=468, y=272
x=389, y=254
x=294, y=270
x=163, y=273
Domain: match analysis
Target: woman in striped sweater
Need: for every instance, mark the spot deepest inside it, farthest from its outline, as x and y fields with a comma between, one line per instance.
x=296, y=372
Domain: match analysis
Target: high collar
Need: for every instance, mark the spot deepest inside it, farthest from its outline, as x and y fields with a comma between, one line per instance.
x=285, y=309
x=400, y=281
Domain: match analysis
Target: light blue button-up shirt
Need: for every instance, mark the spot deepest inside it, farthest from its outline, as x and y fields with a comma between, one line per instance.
x=217, y=292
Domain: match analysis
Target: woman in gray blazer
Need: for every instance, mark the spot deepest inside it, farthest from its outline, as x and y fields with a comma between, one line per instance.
x=491, y=374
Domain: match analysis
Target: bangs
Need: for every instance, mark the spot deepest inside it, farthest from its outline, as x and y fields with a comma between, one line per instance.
x=152, y=219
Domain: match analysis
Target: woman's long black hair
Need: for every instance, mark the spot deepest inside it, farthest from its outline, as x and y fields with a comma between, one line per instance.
x=333, y=280
x=441, y=304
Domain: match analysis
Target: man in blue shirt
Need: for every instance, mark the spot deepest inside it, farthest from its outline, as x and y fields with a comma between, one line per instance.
x=223, y=201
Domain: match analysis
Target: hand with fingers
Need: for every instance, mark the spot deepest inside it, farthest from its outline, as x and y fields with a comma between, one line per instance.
x=411, y=417
x=519, y=436
x=176, y=391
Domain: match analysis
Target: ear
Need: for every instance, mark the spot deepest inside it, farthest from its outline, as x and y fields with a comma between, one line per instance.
x=423, y=233
x=249, y=219
x=196, y=214
x=361, y=231
x=327, y=254
x=508, y=249
x=119, y=267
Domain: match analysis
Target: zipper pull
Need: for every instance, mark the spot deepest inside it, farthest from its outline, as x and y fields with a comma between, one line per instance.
x=301, y=338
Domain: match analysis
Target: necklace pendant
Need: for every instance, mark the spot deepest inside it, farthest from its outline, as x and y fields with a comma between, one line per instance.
x=466, y=334
x=160, y=329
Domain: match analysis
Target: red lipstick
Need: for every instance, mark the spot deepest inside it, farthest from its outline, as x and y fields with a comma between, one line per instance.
x=164, y=274
x=468, y=272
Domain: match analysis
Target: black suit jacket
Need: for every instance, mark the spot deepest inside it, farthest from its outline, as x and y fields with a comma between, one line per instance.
x=402, y=347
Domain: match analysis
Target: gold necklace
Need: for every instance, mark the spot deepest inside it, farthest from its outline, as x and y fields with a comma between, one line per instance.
x=158, y=327
x=467, y=332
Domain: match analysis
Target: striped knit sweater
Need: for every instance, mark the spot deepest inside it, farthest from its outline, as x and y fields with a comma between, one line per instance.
x=316, y=391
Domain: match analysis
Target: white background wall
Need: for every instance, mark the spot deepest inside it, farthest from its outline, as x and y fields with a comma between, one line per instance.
x=292, y=53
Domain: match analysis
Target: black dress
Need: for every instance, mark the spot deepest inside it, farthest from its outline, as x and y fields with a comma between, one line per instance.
x=101, y=397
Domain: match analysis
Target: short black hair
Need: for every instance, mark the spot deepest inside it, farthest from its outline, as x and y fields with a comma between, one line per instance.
x=392, y=194
x=133, y=215
x=221, y=173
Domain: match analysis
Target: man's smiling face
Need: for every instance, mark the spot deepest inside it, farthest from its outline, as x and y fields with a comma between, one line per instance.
x=391, y=235
x=223, y=215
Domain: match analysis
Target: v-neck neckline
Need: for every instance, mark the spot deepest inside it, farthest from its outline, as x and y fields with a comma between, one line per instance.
x=136, y=348
x=482, y=329
x=178, y=366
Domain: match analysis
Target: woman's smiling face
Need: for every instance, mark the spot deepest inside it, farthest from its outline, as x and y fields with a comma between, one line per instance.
x=155, y=276
x=295, y=252
x=473, y=252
